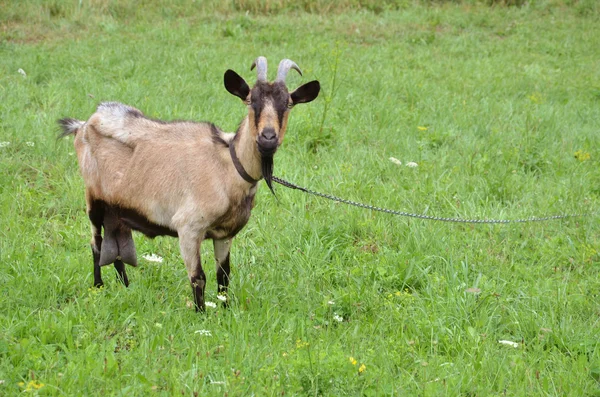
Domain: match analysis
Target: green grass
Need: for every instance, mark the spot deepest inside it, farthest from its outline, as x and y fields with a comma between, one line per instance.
x=505, y=98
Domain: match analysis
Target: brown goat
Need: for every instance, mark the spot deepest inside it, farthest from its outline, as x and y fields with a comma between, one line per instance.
x=184, y=179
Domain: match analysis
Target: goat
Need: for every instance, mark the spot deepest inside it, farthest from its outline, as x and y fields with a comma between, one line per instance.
x=183, y=179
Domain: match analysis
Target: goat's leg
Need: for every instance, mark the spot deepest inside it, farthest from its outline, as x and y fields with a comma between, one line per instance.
x=127, y=253
x=121, y=273
x=222, y=248
x=189, y=244
x=96, y=215
x=96, y=247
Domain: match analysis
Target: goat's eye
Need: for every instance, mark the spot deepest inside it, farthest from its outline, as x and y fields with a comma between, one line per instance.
x=290, y=105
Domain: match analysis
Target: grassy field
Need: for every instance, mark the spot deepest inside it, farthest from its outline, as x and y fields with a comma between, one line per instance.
x=499, y=107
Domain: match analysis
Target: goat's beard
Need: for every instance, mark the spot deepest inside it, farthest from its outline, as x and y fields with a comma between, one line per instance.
x=266, y=165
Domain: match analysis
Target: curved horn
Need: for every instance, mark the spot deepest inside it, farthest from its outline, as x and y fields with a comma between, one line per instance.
x=261, y=68
x=284, y=67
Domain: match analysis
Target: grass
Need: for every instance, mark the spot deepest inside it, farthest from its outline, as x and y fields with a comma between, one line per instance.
x=499, y=106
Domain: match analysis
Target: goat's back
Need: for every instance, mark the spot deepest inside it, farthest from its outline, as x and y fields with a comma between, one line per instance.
x=168, y=171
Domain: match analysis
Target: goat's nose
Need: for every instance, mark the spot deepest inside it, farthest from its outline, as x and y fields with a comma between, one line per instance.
x=268, y=134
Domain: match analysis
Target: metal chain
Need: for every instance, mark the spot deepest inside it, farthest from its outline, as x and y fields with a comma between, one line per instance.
x=422, y=216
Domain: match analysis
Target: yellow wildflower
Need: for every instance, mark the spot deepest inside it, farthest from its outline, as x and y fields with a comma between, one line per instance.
x=32, y=385
x=300, y=344
x=582, y=156
x=420, y=128
x=362, y=368
x=536, y=97
x=398, y=293
x=352, y=360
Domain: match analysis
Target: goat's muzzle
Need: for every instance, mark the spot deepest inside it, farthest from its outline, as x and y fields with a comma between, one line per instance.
x=267, y=142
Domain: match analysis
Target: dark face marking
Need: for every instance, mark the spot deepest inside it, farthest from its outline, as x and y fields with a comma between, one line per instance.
x=276, y=93
x=263, y=94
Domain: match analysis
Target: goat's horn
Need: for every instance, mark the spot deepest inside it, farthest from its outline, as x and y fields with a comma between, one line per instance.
x=284, y=67
x=261, y=68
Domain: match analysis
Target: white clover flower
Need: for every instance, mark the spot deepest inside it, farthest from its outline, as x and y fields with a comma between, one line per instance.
x=508, y=343
x=22, y=72
x=153, y=258
x=222, y=298
x=211, y=304
x=4, y=144
x=395, y=161
x=203, y=332
x=412, y=164
x=338, y=318
x=30, y=144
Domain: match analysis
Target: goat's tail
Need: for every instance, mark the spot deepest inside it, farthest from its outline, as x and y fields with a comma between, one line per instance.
x=69, y=126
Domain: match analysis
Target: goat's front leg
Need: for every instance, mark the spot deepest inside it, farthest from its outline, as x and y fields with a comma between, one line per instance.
x=189, y=244
x=222, y=248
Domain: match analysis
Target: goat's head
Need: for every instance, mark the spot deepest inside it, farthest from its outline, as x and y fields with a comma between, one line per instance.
x=269, y=105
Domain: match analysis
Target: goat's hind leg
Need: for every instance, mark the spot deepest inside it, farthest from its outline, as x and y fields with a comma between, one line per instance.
x=96, y=215
x=222, y=248
x=121, y=273
x=127, y=253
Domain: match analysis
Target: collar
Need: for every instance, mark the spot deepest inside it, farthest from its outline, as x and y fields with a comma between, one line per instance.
x=239, y=167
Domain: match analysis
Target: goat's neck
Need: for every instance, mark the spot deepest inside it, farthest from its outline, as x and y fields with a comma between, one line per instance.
x=247, y=150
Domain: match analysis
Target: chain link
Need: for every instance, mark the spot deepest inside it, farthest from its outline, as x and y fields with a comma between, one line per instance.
x=290, y=185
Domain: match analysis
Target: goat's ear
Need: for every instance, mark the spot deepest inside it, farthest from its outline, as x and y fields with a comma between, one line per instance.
x=306, y=93
x=236, y=85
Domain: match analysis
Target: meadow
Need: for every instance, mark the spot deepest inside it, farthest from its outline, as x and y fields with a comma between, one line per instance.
x=497, y=104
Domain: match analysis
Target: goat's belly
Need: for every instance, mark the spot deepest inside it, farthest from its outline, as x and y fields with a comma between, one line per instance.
x=140, y=223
